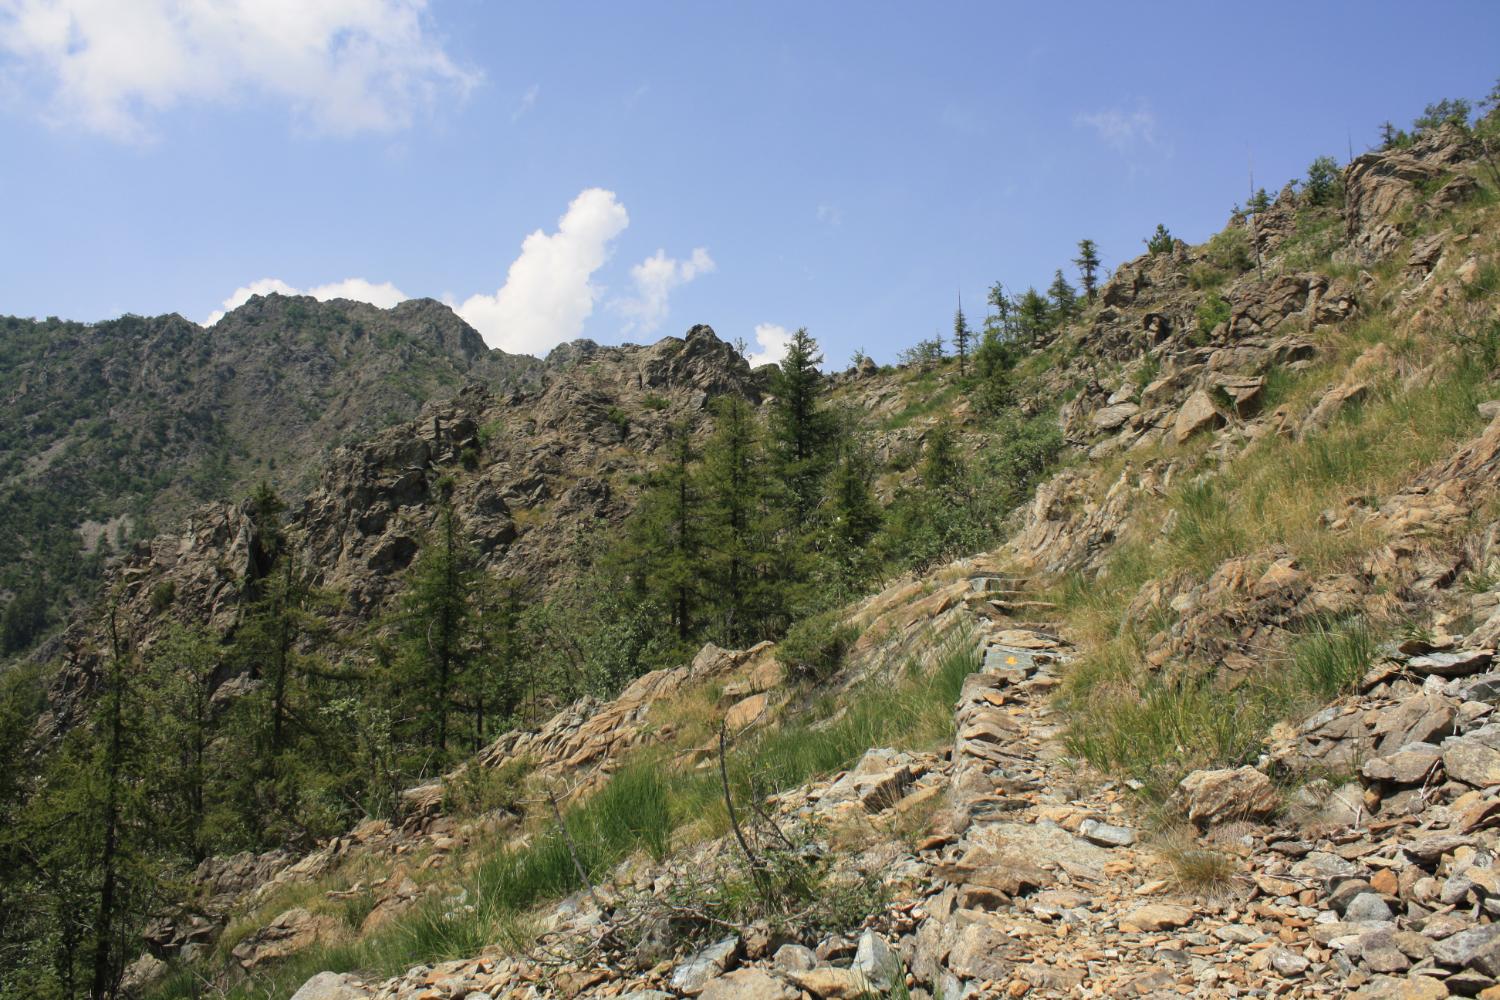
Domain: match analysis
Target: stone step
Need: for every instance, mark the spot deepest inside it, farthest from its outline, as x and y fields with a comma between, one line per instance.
x=991, y=584
x=1012, y=607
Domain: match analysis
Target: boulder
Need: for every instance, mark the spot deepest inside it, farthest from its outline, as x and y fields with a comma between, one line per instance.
x=1334, y=402
x=290, y=932
x=1106, y=835
x=1113, y=417
x=1472, y=762
x=1218, y=796
x=1399, y=988
x=746, y=713
x=748, y=984
x=329, y=986
x=1156, y=917
x=694, y=974
x=1198, y=413
x=876, y=962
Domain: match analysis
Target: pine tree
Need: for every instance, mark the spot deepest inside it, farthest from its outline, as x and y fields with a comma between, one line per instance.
x=799, y=427
x=272, y=647
x=941, y=466
x=1033, y=317
x=491, y=686
x=734, y=485
x=1064, y=298
x=1161, y=241
x=1088, y=266
x=992, y=364
x=435, y=619
x=265, y=511
x=180, y=675
x=86, y=839
x=961, y=338
x=1000, y=319
x=666, y=537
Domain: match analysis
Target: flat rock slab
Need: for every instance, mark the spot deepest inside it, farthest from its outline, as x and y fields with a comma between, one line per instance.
x=998, y=658
x=1042, y=842
x=1459, y=664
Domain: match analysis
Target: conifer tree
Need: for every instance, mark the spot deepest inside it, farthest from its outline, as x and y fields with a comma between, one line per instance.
x=799, y=428
x=180, y=673
x=491, y=686
x=961, y=338
x=1001, y=319
x=735, y=488
x=273, y=647
x=435, y=617
x=86, y=835
x=1088, y=267
x=1033, y=317
x=1064, y=298
x=667, y=536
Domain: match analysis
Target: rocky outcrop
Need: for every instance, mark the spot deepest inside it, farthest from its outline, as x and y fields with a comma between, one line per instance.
x=1379, y=187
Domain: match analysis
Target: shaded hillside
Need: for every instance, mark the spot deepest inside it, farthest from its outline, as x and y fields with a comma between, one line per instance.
x=110, y=432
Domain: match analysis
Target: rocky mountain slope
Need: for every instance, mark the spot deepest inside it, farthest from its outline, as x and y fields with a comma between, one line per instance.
x=113, y=431
x=1212, y=718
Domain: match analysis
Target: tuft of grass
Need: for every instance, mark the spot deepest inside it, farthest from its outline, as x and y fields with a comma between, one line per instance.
x=1328, y=660
x=1196, y=868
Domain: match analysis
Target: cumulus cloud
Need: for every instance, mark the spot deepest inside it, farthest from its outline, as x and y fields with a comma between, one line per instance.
x=385, y=295
x=343, y=67
x=549, y=290
x=1123, y=129
x=771, y=341
x=654, y=279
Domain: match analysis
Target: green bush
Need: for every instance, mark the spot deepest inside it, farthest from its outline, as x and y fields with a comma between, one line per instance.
x=473, y=789
x=162, y=596
x=1160, y=241
x=1230, y=251
x=1212, y=310
x=814, y=648
x=1325, y=183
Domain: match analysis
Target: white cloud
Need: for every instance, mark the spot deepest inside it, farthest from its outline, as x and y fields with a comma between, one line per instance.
x=830, y=215
x=654, y=279
x=343, y=66
x=772, y=340
x=528, y=101
x=1122, y=129
x=385, y=295
x=549, y=292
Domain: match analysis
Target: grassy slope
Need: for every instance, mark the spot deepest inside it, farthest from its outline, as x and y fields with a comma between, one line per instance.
x=1427, y=378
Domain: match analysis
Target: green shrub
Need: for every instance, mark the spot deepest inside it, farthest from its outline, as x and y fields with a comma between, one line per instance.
x=1230, y=251
x=1160, y=241
x=473, y=789
x=1325, y=184
x=162, y=596
x=814, y=648
x=654, y=402
x=1212, y=310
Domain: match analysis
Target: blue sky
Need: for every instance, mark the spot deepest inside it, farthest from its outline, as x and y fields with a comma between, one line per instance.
x=845, y=167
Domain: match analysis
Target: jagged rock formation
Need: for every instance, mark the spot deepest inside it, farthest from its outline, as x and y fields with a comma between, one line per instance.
x=113, y=428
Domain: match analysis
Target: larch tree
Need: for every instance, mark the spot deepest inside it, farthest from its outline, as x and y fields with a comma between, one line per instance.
x=1088, y=267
